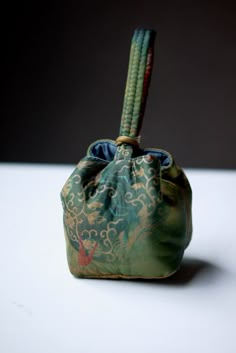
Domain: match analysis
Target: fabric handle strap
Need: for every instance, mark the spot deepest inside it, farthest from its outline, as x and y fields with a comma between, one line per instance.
x=137, y=84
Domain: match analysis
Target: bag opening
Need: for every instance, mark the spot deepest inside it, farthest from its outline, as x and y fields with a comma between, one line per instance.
x=106, y=149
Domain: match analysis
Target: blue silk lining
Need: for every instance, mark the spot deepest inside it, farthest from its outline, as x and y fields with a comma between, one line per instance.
x=106, y=150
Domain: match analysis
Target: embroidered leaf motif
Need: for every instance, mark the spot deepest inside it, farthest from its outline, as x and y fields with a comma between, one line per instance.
x=137, y=186
x=143, y=213
x=139, y=172
x=133, y=236
x=95, y=204
x=92, y=217
x=69, y=220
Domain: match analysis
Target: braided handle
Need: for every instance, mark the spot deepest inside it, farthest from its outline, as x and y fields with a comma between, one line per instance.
x=138, y=80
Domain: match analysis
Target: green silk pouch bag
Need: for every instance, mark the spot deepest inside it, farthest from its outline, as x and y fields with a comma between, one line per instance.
x=127, y=210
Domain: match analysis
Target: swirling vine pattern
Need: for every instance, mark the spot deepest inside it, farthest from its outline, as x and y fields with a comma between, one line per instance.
x=110, y=210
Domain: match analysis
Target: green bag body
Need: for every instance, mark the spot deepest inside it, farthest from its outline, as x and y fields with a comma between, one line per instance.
x=127, y=210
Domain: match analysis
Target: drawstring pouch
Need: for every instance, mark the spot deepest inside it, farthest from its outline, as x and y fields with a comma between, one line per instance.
x=127, y=210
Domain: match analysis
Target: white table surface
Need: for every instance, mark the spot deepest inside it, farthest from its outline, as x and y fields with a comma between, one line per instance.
x=44, y=309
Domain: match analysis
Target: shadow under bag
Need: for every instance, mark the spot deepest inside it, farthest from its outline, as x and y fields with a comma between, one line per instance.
x=127, y=210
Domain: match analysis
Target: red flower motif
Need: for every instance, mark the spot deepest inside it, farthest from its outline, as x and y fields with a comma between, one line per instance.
x=83, y=258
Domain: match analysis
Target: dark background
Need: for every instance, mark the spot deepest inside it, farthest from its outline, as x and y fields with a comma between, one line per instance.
x=65, y=66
